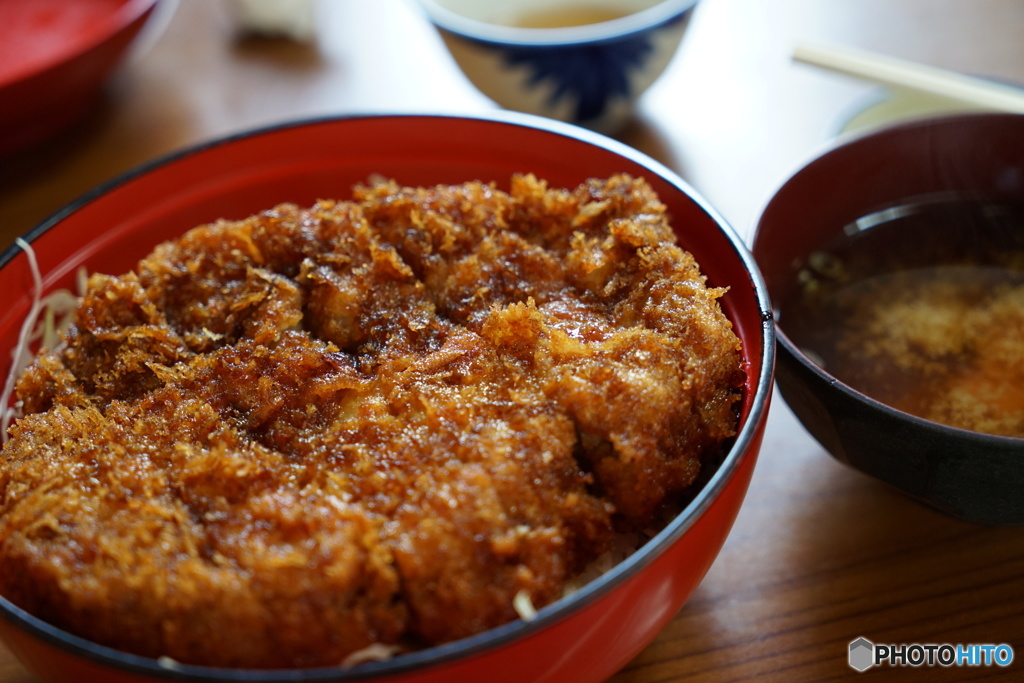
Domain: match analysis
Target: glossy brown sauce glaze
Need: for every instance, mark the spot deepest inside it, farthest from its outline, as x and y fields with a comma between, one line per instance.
x=283, y=439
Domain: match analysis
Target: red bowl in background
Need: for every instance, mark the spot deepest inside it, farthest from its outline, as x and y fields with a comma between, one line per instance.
x=55, y=56
x=586, y=636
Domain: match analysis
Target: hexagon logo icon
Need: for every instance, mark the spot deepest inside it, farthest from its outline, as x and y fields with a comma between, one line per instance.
x=862, y=654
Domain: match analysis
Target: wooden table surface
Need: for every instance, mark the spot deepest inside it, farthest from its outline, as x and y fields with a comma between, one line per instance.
x=820, y=555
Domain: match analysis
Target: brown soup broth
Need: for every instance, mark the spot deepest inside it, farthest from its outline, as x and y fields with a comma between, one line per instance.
x=922, y=307
x=570, y=15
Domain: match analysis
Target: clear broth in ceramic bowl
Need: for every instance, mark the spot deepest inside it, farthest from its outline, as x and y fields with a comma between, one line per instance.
x=921, y=307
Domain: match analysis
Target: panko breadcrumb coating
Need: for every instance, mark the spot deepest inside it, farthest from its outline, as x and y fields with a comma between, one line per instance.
x=283, y=439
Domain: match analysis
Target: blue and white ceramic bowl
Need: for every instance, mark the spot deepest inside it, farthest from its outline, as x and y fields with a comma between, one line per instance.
x=581, y=61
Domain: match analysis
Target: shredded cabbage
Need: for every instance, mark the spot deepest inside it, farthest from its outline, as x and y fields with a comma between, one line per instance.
x=374, y=652
x=43, y=328
x=523, y=606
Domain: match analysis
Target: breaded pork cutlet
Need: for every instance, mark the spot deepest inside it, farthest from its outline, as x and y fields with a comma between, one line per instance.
x=281, y=440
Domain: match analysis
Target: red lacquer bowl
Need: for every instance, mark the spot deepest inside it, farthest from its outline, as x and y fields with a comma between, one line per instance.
x=55, y=56
x=584, y=637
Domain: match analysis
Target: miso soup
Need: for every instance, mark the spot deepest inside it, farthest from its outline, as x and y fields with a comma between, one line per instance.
x=922, y=307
